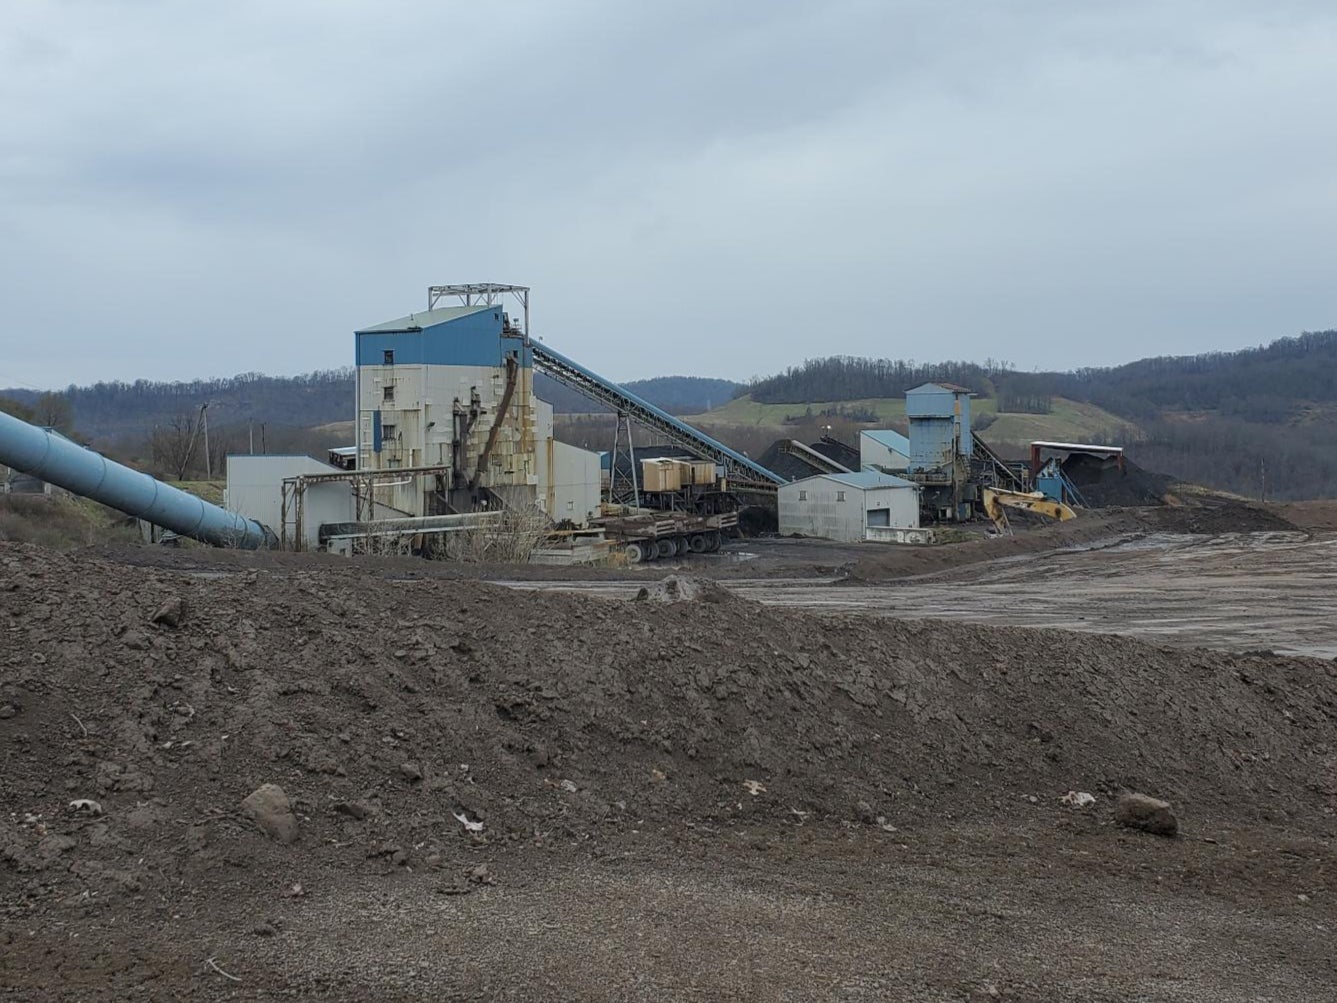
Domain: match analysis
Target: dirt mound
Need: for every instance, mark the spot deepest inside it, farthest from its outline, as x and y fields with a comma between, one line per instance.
x=680, y=588
x=433, y=726
x=1201, y=512
x=329, y=684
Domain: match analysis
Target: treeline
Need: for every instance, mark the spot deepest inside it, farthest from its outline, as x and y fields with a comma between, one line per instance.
x=1279, y=462
x=1262, y=384
x=675, y=394
x=844, y=378
x=113, y=408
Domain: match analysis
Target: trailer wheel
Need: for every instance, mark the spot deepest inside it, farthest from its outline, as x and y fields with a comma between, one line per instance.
x=697, y=542
x=635, y=553
x=665, y=548
x=713, y=542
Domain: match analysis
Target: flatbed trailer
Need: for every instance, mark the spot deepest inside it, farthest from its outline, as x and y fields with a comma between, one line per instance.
x=649, y=536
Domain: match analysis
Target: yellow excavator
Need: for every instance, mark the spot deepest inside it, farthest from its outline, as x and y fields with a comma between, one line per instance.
x=997, y=501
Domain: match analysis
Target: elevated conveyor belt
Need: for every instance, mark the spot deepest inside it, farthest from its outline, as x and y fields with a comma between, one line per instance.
x=819, y=462
x=1003, y=474
x=741, y=471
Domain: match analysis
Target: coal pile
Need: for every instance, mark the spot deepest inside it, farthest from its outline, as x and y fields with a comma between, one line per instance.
x=1104, y=485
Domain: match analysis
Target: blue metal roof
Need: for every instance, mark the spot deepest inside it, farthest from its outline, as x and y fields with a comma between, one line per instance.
x=865, y=479
x=889, y=438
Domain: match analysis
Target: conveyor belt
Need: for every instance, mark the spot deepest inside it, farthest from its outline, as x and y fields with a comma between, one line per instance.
x=741, y=471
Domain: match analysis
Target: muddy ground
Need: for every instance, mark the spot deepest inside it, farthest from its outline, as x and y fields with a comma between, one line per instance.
x=1274, y=591
x=509, y=794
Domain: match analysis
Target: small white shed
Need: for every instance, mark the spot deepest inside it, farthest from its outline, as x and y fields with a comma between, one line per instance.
x=843, y=506
x=255, y=490
x=884, y=449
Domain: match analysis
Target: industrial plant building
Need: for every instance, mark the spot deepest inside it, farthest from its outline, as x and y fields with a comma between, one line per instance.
x=844, y=506
x=450, y=438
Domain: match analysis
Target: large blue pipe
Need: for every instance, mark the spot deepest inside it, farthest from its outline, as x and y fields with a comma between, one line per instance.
x=55, y=459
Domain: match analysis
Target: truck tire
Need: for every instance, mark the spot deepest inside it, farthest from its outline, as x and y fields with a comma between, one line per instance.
x=681, y=547
x=635, y=553
x=665, y=548
x=712, y=542
x=697, y=542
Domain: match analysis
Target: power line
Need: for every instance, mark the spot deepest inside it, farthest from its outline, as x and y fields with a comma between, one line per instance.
x=10, y=380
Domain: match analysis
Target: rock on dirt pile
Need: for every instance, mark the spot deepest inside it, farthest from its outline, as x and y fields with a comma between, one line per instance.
x=404, y=719
x=681, y=588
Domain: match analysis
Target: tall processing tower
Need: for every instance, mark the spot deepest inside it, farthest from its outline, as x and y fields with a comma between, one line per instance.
x=447, y=396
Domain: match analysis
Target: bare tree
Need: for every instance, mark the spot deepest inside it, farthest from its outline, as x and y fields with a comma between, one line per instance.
x=172, y=445
x=53, y=410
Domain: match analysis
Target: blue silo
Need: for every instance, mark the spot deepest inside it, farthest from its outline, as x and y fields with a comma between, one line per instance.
x=939, y=416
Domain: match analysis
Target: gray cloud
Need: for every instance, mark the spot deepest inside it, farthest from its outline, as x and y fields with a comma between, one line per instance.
x=720, y=189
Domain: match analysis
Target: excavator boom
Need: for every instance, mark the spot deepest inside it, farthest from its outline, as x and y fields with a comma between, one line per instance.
x=997, y=501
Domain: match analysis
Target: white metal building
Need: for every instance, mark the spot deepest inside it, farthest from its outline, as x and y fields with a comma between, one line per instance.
x=843, y=506
x=884, y=449
x=255, y=490
x=568, y=476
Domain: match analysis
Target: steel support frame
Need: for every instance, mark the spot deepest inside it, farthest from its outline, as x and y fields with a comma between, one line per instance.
x=364, y=482
x=620, y=488
x=485, y=293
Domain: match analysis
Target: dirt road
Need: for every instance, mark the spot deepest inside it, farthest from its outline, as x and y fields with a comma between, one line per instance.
x=1250, y=591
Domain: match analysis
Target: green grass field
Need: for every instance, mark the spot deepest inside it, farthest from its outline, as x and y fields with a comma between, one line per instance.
x=210, y=491
x=1069, y=420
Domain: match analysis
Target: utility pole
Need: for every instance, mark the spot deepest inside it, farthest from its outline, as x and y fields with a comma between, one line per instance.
x=208, y=461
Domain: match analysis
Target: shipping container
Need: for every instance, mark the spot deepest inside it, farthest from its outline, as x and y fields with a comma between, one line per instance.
x=660, y=475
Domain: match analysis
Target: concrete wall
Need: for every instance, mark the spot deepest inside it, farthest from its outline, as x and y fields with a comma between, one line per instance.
x=819, y=506
x=255, y=490
x=919, y=537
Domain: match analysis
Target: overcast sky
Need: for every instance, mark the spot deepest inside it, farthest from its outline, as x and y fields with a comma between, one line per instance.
x=711, y=188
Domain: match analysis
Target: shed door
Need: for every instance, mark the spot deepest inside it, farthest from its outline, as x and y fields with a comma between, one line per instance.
x=879, y=517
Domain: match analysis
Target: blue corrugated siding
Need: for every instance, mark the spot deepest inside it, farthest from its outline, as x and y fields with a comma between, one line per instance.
x=474, y=340
x=933, y=412
x=931, y=443
x=929, y=402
